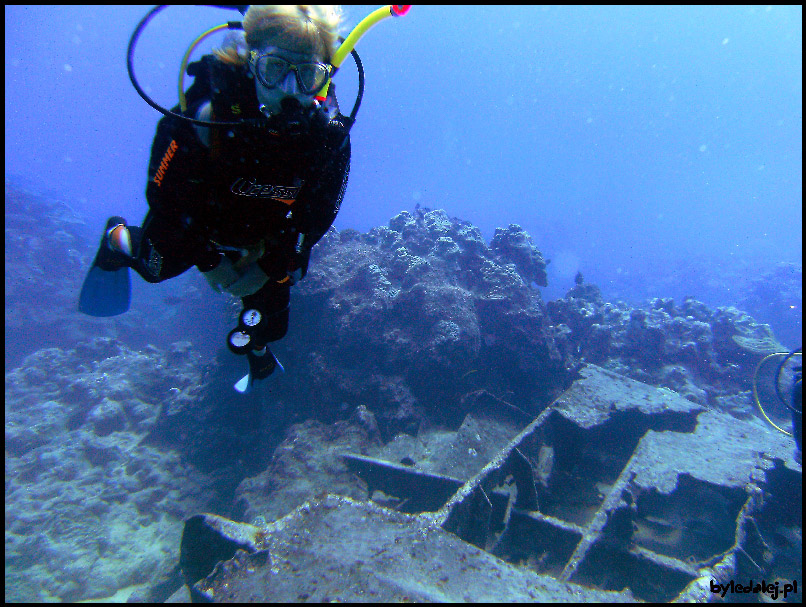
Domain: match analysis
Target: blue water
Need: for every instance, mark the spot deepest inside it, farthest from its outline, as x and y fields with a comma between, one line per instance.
x=641, y=145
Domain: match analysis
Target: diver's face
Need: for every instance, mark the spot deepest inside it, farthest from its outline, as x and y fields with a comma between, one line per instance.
x=272, y=90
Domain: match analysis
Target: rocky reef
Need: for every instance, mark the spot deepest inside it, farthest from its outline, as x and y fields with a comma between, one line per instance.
x=91, y=506
x=777, y=297
x=404, y=342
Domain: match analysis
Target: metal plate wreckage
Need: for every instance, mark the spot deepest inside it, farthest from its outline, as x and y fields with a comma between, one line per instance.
x=619, y=491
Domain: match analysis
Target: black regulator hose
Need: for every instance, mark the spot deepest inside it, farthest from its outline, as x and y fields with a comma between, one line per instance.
x=130, y=65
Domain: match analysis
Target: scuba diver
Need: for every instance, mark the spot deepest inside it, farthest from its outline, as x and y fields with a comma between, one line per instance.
x=245, y=175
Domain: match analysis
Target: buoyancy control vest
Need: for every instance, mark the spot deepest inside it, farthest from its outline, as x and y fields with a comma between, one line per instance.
x=253, y=173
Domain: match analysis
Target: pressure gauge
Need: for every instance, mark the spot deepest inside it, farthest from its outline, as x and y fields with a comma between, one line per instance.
x=251, y=318
x=238, y=341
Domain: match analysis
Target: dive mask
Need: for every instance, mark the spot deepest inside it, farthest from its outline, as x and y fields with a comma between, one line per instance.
x=274, y=84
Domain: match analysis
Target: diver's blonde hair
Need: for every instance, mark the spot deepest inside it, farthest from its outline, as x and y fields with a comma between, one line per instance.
x=305, y=28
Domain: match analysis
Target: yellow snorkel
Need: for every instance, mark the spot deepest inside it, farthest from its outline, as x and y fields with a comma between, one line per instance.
x=183, y=68
x=391, y=10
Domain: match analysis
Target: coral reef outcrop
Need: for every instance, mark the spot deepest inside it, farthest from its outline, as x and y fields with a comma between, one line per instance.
x=701, y=353
x=421, y=311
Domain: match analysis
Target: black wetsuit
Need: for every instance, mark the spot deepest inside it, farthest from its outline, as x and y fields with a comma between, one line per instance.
x=255, y=186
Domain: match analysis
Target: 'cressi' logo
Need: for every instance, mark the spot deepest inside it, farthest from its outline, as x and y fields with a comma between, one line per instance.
x=250, y=187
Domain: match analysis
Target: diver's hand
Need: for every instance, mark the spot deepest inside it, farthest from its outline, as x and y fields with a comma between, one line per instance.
x=250, y=281
x=239, y=282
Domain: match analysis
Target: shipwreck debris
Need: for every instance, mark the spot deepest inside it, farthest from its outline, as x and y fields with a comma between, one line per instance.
x=618, y=491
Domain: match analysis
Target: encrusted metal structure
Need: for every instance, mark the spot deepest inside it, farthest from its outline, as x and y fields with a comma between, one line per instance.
x=618, y=491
